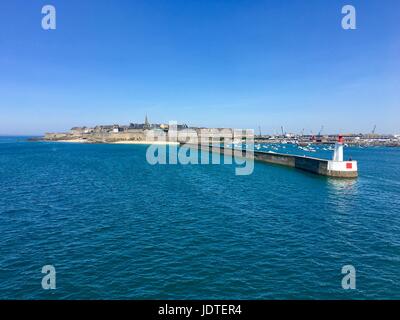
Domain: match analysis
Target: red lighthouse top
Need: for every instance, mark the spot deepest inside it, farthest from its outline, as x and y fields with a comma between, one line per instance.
x=340, y=139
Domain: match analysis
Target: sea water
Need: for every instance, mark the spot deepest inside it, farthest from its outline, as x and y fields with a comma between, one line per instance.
x=115, y=227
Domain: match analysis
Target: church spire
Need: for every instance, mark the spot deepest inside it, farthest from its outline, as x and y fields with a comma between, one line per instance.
x=146, y=123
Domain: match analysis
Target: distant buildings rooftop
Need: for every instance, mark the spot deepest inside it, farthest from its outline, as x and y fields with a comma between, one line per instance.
x=125, y=128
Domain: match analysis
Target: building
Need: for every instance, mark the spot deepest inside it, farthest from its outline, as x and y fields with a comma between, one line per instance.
x=116, y=128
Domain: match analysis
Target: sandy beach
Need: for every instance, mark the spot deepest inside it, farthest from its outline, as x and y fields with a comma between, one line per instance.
x=71, y=141
x=118, y=142
x=146, y=142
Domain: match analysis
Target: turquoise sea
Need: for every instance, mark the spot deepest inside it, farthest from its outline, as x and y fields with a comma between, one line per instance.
x=115, y=227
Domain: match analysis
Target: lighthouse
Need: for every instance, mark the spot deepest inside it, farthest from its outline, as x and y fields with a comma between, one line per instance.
x=337, y=167
x=338, y=153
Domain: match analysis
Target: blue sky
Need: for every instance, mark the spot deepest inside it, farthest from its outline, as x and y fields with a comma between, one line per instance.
x=239, y=64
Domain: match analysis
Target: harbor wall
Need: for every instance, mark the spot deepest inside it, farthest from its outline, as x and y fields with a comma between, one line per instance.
x=345, y=169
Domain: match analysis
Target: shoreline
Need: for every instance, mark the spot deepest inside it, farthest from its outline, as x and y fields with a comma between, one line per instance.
x=83, y=141
x=146, y=142
x=67, y=141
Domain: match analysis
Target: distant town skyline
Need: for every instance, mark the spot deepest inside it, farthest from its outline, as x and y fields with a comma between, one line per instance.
x=236, y=64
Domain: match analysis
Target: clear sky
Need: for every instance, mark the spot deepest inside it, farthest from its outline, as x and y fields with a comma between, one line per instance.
x=234, y=63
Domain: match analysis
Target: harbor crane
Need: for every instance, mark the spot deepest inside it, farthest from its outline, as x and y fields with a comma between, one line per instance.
x=320, y=131
x=373, y=131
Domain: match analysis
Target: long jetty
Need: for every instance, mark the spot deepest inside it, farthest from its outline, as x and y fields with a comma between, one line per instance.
x=324, y=167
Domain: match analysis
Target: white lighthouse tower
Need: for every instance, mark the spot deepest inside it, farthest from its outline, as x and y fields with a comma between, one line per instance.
x=338, y=153
x=337, y=166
